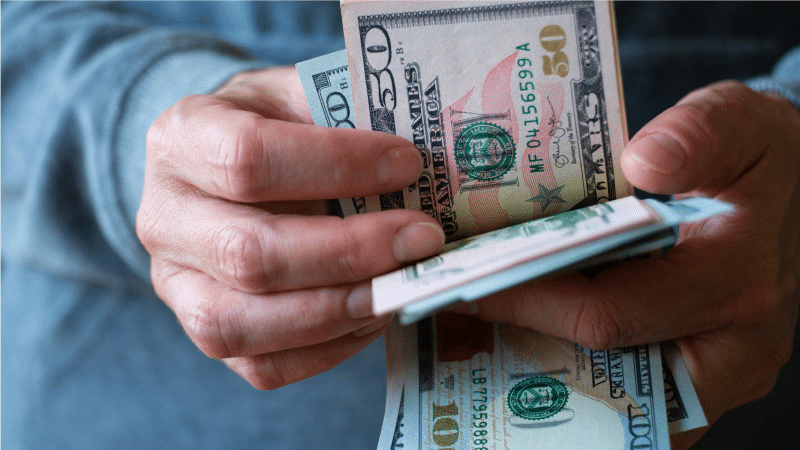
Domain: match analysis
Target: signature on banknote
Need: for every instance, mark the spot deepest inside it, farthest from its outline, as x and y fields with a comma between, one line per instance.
x=557, y=133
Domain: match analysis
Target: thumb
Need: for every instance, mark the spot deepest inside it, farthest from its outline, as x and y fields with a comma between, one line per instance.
x=707, y=141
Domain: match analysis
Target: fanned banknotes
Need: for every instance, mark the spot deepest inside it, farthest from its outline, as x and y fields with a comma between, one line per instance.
x=516, y=108
x=481, y=265
x=474, y=267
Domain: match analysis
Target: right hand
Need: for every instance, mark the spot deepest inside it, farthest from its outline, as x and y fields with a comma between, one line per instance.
x=232, y=215
x=728, y=291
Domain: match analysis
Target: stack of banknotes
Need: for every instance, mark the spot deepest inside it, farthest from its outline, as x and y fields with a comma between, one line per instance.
x=516, y=108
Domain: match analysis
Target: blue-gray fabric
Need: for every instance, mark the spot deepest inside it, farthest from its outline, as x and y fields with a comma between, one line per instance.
x=91, y=358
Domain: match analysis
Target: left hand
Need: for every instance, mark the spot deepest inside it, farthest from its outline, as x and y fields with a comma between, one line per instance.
x=728, y=292
x=232, y=214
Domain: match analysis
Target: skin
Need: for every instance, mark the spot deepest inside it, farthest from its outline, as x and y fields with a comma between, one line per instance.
x=261, y=278
x=728, y=292
x=264, y=281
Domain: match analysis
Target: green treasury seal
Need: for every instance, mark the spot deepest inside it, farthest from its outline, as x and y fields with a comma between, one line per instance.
x=537, y=398
x=484, y=151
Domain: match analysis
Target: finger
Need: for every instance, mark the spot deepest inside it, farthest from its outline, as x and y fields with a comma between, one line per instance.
x=708, y=140
x=254, y=251
x=226, y=323
x=243, y=156
x=687, y=292
x=276, y=93
x=274, y=370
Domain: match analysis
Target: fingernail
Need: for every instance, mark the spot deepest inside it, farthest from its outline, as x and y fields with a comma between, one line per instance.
x=373, y=327
x=417, y=241
x=359, y=302
x=658, y=152
x=399, y=166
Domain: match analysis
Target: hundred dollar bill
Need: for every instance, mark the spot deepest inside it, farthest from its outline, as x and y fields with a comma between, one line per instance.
x=475, y=267
x=684, y=411
x=326, y=83
x=683, y=408
x=480, y=386
x=516, y=107
x=393, y=424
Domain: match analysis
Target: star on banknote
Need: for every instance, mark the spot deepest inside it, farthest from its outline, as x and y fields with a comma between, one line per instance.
x=548, y=196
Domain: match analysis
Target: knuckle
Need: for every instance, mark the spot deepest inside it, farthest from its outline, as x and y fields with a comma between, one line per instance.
x=271, y=371
x=723, y=94
x=158, y=147
x=241, y=79
x=709, y=112
x=171, y=122
x=759, y=303
x=766, y=387
x=597, y=326
x=351, y=255
x=698, y=125
x=157, y=133
x=150, y=224
x=173, y=138
x=329, y=306
x=161, y=273
x=237, y=160
x=264, y=372
x=146, y=225
x=204, y=325
x=240, y=256
x=780, y=355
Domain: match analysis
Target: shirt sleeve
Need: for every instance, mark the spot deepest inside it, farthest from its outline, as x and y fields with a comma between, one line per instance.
x=81, y=84
x=784, y=80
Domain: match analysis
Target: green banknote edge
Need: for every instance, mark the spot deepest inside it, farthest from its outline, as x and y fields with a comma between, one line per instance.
x=638, y=241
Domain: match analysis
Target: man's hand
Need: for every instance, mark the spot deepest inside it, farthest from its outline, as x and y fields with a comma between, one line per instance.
x=231, y=214
x=728, y=292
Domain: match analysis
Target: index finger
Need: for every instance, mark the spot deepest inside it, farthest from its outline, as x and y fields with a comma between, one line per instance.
x=688, y=291
x=243, y=156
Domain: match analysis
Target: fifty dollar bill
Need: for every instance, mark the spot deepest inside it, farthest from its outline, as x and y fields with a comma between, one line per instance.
x=516, y=107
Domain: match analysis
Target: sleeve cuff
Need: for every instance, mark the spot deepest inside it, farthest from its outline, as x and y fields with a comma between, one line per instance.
x=785, y=79
x=166, y=81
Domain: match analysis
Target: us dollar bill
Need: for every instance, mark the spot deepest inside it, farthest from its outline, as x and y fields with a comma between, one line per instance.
x=516, y=107
x=684, y=410
x=392, y=430
x=326, y=84
x=475, y=267
x=500, y=251
x=480, y=386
